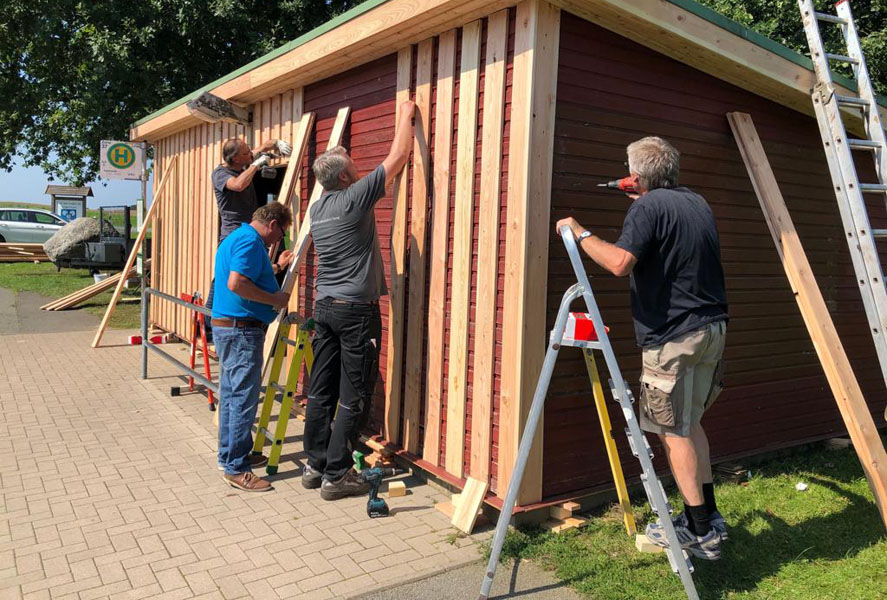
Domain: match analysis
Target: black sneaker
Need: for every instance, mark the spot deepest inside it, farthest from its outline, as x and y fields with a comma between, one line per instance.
x=311, y=477
x=350, y=484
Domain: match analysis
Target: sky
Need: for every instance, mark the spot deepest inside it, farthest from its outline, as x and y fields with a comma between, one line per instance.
x=28, y=184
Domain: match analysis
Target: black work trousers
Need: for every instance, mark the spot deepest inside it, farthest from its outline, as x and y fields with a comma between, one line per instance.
x=347, y=339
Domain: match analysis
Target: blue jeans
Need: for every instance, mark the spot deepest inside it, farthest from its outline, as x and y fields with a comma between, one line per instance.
x=240, y=351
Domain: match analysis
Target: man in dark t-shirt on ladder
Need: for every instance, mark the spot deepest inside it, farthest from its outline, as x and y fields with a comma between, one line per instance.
x=236, y=193
x=670, y=247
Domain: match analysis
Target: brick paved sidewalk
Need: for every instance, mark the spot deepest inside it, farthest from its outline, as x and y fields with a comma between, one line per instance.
x=108, y=488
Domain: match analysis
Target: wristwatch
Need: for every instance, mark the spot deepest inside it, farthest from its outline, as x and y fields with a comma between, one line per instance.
x=583, y=235
x=275, y=268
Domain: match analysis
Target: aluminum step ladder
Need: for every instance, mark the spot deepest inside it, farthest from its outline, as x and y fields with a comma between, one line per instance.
x=828, y=104
x=677, y=557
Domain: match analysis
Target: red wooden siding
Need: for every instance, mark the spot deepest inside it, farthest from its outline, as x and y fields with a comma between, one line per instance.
x=612, y=91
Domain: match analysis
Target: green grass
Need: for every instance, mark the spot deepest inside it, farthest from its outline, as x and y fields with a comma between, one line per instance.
x=44, y=279
x=824, y=543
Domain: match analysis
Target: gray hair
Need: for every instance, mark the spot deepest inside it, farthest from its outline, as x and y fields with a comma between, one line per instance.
x=230, y=149
x=656, y=162
x=328, y=165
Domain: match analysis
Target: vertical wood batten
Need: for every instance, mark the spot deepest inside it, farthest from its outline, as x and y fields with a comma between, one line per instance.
x=462, y=240
x=488, y=245
x=394, y=359
x=415, y=325
x=443, y=141
x=526, y=262
x=294, y=99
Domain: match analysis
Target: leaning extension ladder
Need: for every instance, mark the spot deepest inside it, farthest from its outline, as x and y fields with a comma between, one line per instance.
x=848, y=190
x=301, y=345
x=677, y=557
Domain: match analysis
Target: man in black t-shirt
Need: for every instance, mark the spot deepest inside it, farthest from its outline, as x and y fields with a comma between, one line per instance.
x=670, y=247
x=236, y=194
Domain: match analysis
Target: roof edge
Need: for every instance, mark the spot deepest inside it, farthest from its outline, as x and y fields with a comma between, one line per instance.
x=691, y=6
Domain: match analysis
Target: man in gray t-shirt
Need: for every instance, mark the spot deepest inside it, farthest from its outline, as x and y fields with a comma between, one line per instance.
x=348, y=325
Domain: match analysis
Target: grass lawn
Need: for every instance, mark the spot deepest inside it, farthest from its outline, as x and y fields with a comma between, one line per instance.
x=826, y=542
x=45, y=279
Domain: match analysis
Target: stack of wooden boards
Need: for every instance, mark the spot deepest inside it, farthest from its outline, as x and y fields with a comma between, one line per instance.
x=89, y=291
x=22, y=253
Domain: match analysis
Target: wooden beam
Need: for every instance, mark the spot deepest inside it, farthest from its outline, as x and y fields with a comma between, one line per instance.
x=158, y=201
x=488, y=246
x=826, y=341
x=303, y=241
x=531, y=142
x=394, y=356
x=297, y=101
x=289, y=195
x=463, y=221
x=443, y=145
x=416, y=321
x=470, y=501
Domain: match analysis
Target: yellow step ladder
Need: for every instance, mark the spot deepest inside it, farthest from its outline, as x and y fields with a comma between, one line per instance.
x=301, y=344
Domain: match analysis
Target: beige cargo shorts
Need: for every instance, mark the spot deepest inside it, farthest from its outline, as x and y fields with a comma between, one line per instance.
x=681, y=379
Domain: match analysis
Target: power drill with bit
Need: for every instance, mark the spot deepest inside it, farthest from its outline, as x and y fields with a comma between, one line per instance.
x=376, y=506
x=626, y=184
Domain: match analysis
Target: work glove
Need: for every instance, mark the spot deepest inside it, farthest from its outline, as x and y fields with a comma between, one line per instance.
x=283, y=148
x=260, y=162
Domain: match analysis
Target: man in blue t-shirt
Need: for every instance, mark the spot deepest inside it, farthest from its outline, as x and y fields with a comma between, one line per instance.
x=247, y=298
x=670, y=246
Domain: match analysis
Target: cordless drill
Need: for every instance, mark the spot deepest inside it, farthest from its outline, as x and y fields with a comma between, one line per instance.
x=376, y=506
x=626, y=184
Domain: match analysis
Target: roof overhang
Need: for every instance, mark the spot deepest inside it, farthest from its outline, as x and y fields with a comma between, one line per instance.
x=681, y=29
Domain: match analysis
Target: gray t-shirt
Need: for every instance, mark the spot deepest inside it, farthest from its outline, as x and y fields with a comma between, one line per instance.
x=234, y=207
x=343, y=226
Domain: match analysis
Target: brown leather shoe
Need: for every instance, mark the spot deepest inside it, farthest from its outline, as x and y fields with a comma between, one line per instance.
x=247, y=482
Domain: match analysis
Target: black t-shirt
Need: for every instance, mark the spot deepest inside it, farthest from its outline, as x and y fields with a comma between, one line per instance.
x=677, y=284
x=234, y=207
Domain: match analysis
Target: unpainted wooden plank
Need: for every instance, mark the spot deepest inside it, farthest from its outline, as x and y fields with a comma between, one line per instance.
x=289, y=195
x=297, y=110
x=488, y=246
x=531, y=142
x=394, y=356
x=158, y=200
x=465, y=514
x=463, y=221
x=417, y=318
x=443, y=143
x=826, y=341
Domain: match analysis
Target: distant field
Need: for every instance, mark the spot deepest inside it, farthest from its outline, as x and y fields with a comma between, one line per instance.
x=23, y=205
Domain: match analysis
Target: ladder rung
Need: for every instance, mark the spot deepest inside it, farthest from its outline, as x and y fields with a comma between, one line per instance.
x=879, y=233
x=842, y=58
x=278, y=387
x=873, y=188
x=851, y=100
x=830, y=18
x=290, y=342
x=863, y=144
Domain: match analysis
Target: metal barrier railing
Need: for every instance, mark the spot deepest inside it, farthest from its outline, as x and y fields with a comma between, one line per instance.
x=148, y=345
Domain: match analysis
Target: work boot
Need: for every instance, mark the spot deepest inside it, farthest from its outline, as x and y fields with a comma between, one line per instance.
x=247, y=482
x=350, y=484
x=311, y=477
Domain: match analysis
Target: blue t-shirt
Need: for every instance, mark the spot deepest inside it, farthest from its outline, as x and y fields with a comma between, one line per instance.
x=243, y=251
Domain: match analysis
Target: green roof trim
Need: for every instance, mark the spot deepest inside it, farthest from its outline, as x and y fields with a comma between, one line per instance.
x=716, y=18
x=691, y=6
x=346, y=16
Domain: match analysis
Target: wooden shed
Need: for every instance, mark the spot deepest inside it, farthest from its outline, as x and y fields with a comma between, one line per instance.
x=523, y=109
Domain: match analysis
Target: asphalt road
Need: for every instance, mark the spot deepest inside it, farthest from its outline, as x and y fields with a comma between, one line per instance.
x=20, y=313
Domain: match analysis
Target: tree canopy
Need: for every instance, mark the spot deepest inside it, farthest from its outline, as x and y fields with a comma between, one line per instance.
x=74, y=72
